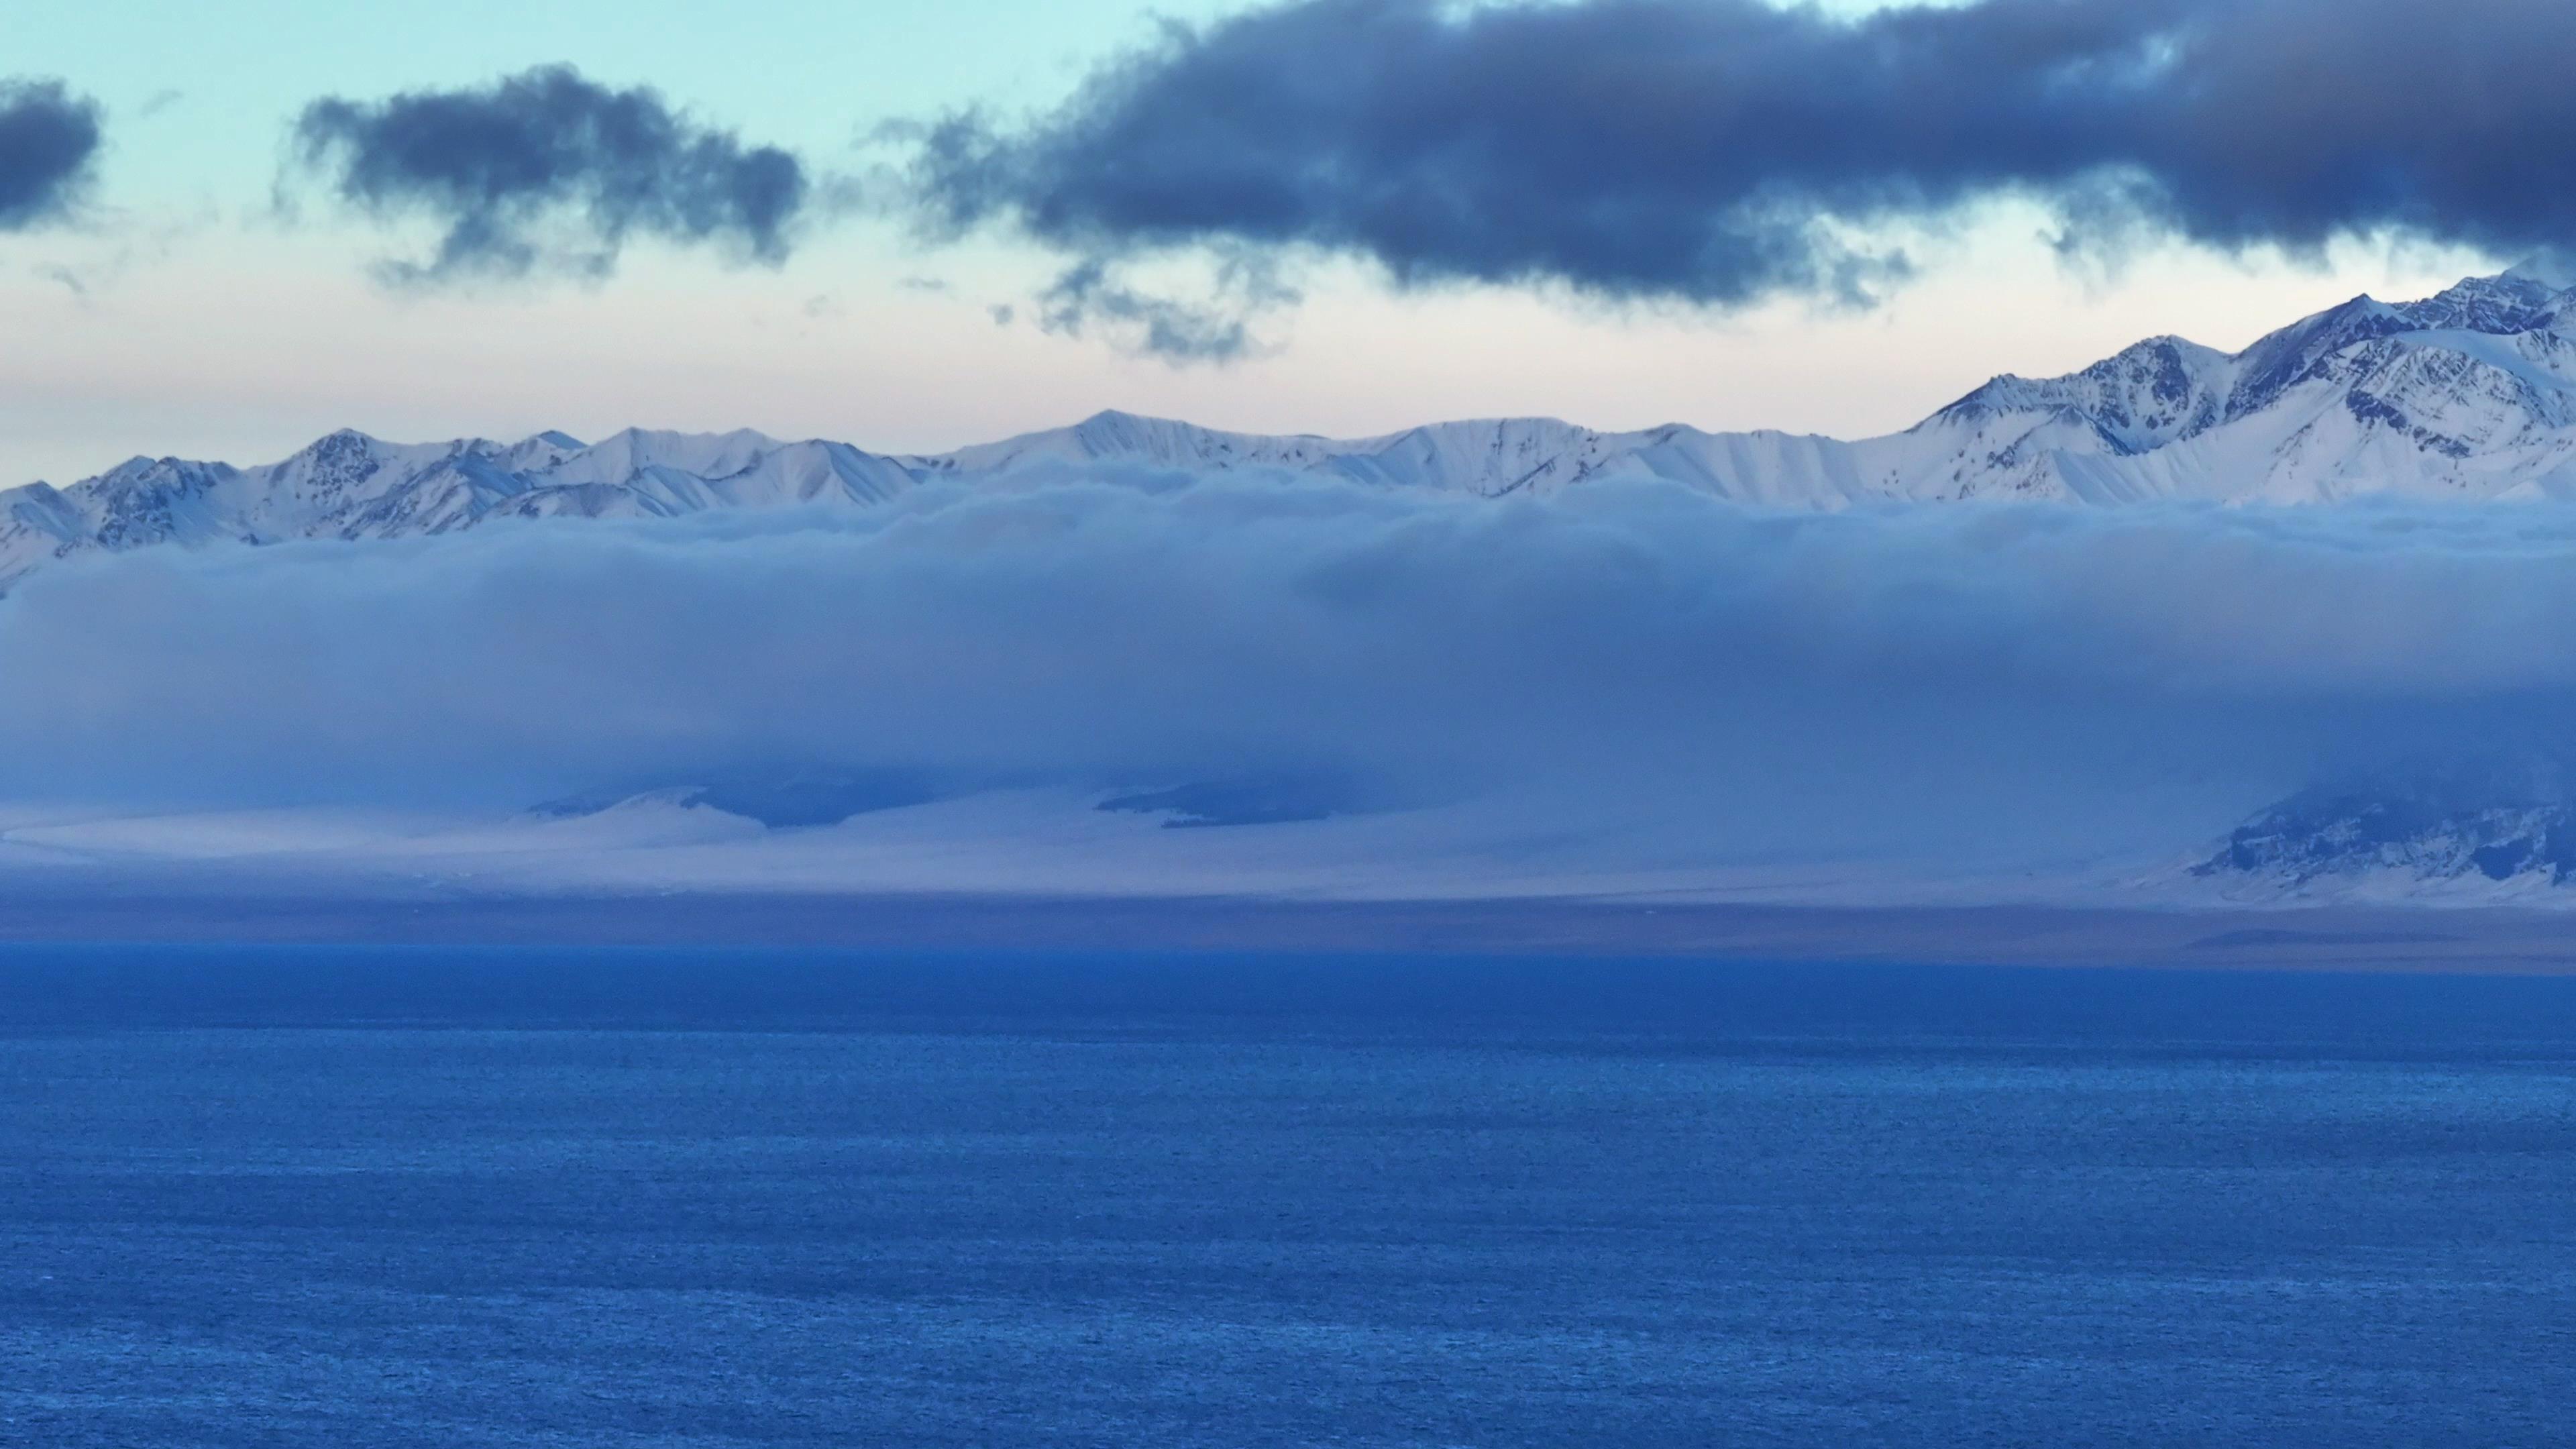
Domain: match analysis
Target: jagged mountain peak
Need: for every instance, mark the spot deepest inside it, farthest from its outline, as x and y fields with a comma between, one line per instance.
x=1119, y=420
x=140, y=466
x=2499, y=306
x=663, y=444
x=342, y=439
x=1113, y=430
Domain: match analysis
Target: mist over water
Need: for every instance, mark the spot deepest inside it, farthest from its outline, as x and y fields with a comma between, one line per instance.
x=1906, y=680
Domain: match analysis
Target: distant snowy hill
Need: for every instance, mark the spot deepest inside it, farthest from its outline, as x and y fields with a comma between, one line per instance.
x=2462, y=830
x=2470, y=395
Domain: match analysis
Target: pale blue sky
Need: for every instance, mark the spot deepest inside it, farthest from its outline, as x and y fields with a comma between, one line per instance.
x=800, y=73
x=179, y=315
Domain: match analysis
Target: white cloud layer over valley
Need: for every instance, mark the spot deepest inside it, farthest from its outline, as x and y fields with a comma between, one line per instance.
x=1625, y=683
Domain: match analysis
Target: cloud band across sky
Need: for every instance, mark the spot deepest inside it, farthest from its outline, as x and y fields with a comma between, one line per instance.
x=1722, y=151
x=49, y=141
x=1709, y=152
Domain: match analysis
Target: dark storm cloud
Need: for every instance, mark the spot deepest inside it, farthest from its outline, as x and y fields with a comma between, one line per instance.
x=48, y=140
x=1718, y=151
x=549, y=168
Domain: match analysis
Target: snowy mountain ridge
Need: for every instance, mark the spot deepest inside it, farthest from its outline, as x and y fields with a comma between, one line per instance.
x=2463, y=830
x=2466, y=396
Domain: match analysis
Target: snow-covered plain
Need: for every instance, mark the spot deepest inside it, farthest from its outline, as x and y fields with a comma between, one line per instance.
x=1056, y=844
x=1051, y=843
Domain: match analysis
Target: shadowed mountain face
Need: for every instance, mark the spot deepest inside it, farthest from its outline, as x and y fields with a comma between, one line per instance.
x=2469, y=395
x=2492, y=821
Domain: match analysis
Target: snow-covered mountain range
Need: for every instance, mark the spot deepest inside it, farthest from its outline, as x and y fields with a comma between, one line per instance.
x=2470, y=395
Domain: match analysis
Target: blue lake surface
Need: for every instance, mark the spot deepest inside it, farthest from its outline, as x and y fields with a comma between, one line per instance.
x=353, y=1198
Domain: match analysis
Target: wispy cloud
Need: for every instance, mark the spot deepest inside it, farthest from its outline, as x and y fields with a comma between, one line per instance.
x=1088, y=299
